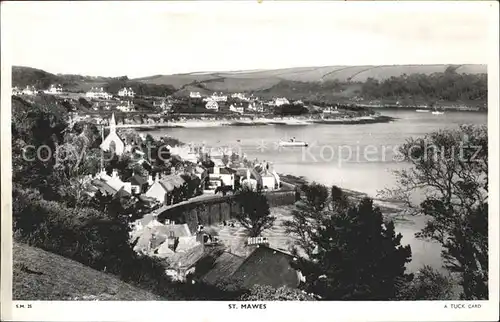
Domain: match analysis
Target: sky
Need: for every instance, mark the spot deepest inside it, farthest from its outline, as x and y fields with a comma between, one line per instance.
x=149, y=38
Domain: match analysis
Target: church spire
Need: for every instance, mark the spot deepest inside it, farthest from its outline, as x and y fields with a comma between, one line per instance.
x=112, y=123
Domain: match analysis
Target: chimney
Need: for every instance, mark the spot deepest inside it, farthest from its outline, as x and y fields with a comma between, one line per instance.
x=150, y=180
x=114, y=174
x=172, y=170
x=157, y=177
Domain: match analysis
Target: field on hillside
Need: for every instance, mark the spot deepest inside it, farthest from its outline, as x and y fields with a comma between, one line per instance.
x=261, y=79
x=40, y=275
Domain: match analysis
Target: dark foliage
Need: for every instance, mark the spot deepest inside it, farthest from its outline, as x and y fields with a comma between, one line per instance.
x=256, y=216
x=351, y=254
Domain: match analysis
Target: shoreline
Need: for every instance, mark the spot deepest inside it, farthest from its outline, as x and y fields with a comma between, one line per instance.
x=261, y=122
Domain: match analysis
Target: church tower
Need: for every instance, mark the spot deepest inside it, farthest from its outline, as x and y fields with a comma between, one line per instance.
x=113, y=142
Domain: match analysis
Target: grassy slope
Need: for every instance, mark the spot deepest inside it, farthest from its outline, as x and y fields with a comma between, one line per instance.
x=40, y=275
x=257, y=80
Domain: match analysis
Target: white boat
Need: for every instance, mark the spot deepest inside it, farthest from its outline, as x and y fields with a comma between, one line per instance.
x=422, y=111
x=292, y=143
x=437, y=113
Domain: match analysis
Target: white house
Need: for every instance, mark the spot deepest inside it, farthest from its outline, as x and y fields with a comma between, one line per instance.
x=184, y=152
x=255, y=107
x=54, y=90
x=116, y=183
x=113, y=142
x=30, y=90
x=281, y=101
x=16, y=91
x=212, y=105
x=98, y=93
x=238, y=109
x=330, y=110
x=125, y=107
x=225, y=175
x=195, y=95
x=126, y=92
x=240, y=96
x=219, y=97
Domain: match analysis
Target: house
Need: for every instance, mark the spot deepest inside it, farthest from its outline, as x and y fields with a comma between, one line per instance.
x=212, y=105
x=222, y=175
x=240, y=96
x=139, y=184
x=112, y=142
x=224, y=266
x=330, y=110
x=237, y=108
x=255, y=107
x=102, y=186
x=263, y=266
x=280, y=101
x=126, y=92
x=167, y=189
x=267, y=266
x=16, y=91
x=184, y=152
x=54, y=90
x=125, y=107
x=98, y=93
x=29, y=90
x=218, y=97
x=116, y=183
x=195, y=95
x=269, y=179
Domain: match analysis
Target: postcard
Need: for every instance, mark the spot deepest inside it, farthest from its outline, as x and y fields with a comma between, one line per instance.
x=243, y=160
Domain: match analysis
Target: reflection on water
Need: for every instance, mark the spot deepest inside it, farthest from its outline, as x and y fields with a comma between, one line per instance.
x=358, y=157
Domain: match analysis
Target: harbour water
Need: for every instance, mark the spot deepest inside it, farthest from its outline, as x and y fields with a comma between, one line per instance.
x=357, y=157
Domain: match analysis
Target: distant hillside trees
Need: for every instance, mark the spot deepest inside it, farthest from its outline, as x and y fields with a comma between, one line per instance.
x=290, y=109
x=140, y=89
x=448, y=86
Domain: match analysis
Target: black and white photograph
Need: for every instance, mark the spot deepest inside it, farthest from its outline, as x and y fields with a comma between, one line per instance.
x=237, y=154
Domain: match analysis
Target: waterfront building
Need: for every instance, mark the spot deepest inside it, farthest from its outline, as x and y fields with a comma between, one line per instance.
x=112, y=142
x=281, y=101
x=212, y=105
x=195, y=95
x=237, y=109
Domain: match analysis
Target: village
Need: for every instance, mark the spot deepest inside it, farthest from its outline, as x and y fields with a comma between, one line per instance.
x=198, y=175
x=123, y=101
x=216, y=174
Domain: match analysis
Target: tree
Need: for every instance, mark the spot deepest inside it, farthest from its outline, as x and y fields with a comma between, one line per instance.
x=268, y=293
x=428, y=284
x=255, y=215
x=450, y=169
x=349, y=253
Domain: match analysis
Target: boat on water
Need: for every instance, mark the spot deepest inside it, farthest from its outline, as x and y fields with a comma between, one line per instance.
x=292, y=143
x=422, y=111
x=437, y=113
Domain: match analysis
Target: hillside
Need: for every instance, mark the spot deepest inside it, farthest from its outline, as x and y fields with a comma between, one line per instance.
x=261, y=79
x=40, y=275
x=407, y=84
x=23, y=76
